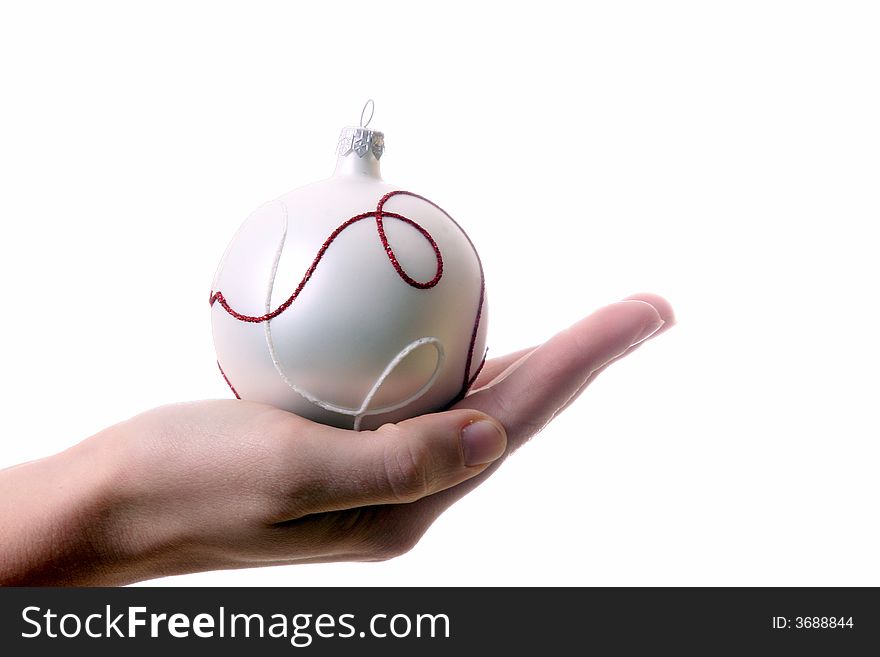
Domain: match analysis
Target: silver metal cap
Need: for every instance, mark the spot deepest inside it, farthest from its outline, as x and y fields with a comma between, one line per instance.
x=361, y=140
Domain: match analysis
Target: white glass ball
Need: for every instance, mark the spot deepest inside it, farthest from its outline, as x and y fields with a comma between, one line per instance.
x=312, y=313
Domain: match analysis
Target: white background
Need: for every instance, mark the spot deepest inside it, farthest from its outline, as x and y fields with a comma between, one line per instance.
x=725, y=155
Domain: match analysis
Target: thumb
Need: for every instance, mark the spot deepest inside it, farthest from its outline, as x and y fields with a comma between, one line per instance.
x=404, y=462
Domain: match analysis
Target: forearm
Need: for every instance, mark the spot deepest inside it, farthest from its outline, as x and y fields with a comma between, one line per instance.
x=57, y=520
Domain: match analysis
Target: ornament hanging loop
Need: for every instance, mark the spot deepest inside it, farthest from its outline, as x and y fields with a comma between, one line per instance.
x=372, y=107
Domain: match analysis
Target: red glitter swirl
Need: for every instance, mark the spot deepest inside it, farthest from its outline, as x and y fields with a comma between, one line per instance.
x=380, y=214
x=466, y=382
x=228, y=382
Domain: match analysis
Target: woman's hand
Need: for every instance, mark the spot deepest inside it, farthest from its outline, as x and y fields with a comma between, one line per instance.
x=235, y=484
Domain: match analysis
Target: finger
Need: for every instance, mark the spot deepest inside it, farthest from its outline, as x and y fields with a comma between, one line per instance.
x=661, y=305
x=663, y=308
x=529, y=397
x=588, y=342
x=336, y=469
x=502, y=366
x=498, y=366
x=571, y=356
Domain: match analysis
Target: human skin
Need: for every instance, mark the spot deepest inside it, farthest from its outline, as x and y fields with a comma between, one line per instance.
x=222, y=484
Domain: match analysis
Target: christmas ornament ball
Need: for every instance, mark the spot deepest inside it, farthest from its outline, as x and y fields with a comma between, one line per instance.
x=349, y=301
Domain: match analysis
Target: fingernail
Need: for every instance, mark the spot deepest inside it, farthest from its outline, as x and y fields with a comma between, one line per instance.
x=482, y=442
x=648, y=330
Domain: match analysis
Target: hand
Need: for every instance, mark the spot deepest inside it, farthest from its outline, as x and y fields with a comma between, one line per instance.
x=234, y=484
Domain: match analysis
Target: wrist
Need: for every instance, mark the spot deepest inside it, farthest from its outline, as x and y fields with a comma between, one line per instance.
x=61, y=522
